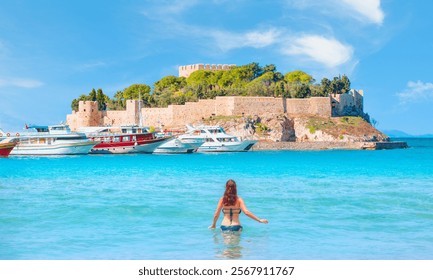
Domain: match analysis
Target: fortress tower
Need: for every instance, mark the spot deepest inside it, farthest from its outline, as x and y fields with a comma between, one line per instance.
x=88, y=114
x=186, y=70
x=348, y=104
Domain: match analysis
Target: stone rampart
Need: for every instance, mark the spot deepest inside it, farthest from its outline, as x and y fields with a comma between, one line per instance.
x=186, y=70
x=179, y=115
x=256, y=105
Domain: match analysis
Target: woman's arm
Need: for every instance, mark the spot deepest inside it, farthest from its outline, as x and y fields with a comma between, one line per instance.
x=249, y=213
x=217, y=213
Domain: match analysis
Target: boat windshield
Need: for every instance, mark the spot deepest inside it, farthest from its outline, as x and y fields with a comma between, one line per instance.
x=38, y=128
x=216, y=130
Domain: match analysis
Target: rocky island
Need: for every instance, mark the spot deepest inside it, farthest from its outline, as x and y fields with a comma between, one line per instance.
x=281, y=111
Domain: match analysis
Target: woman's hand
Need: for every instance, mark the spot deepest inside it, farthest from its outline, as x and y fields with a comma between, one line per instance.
x=263, y=221
x=211, y=227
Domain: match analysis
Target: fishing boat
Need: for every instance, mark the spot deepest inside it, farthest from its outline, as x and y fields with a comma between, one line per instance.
x=123, y=139
x=214, y=139
x=6, y=147
x=51, y=140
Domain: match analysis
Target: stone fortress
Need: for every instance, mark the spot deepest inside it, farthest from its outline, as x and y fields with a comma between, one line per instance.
x=349, y=104
x=186, y=70
x=175, y=116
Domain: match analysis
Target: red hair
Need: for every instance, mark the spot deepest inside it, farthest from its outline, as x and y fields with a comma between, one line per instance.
x=231, y=194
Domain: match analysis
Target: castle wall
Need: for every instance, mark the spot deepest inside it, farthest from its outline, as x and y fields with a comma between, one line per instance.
x=157, y=116
x=319, y=106
x=71, y=120
x=179, y=115
x=186, y=70
x=256, y=105
x=115, y=118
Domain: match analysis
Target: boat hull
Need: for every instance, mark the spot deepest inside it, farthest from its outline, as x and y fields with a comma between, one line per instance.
x=53, y=149
x=6, y=149
x=146, y=147
x=175, y=146
x=243, y=146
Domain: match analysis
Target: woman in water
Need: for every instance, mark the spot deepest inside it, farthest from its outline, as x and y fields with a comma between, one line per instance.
x=232, y=205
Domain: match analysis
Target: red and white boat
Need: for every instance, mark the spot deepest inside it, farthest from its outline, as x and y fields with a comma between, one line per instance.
x=123, y=140
x=6, y=147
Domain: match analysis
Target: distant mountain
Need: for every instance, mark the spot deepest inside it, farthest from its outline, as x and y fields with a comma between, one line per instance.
x=402, y=134
x=396, y=133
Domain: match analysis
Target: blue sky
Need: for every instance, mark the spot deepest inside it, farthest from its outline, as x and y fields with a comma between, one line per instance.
x=53, y=51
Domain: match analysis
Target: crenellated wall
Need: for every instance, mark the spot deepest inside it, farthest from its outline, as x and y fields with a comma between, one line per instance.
x=179, y=115
x=186, y=70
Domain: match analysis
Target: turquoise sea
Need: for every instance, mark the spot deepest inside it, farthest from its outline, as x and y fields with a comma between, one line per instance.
x=320, y=205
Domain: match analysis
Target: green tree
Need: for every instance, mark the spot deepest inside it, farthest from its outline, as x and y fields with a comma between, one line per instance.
x=325, y=84
x=253, y=69
x=102, y=100
x=75, y=102
x=136, y=90
x=200, y=77
x=169, y=83
x=298, y=77
x=300, y=91
x=118, y=102
x=346, y=84
x=340, y=85
x=92, y=95
x=280, y=89
x=74, y=105
x=316, y=90
x=269, y=68
x=336, y=85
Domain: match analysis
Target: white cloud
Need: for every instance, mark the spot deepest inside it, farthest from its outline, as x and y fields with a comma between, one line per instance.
x=416, y=92
x=20, y=82
x=363, y=10
x=369, y=9
x=326, y=51
x=168, y=8
x=255, y=39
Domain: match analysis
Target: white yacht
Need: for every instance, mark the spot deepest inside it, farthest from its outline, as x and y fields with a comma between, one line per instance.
x=214, y=139
x=175, y=146
x=51, y=140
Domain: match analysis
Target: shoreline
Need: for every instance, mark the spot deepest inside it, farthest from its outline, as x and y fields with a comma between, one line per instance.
x=327, y=145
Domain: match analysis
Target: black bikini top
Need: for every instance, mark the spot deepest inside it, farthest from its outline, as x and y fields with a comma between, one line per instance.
x=225, y=211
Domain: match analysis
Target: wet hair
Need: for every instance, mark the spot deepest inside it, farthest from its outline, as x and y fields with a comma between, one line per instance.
x=231, y=194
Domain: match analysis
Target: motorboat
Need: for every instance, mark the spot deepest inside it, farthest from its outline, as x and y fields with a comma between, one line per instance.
x=214, y=139
x=124, y=139
x=175, y=146
x=51, y=140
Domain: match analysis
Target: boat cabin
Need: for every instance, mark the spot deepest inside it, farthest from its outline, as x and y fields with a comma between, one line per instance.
x=52, y=129
x=132, y=129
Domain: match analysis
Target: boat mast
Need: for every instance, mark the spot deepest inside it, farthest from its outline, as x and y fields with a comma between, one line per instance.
x=140, y=118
